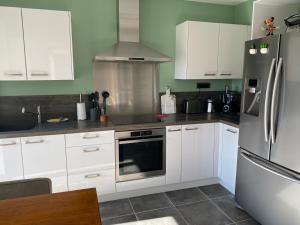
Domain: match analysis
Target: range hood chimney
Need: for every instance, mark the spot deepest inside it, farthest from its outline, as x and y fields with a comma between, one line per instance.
x=128, y=47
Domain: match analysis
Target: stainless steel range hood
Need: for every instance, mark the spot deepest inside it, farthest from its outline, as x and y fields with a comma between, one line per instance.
x=128, y=48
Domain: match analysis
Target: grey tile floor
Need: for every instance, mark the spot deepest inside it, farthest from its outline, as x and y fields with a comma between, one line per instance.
x=208, y=205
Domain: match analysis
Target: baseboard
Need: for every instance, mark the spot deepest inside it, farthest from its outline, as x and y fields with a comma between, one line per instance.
x=158, y=189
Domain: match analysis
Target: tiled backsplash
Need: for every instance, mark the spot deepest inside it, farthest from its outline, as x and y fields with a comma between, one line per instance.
x=65, y=105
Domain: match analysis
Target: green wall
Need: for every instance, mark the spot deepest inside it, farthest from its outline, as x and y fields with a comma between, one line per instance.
x=94, y=29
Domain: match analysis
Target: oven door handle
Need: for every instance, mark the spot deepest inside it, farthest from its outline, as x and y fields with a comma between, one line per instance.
x=140, y=141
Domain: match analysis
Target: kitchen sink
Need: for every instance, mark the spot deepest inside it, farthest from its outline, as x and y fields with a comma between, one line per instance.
x=16, y=122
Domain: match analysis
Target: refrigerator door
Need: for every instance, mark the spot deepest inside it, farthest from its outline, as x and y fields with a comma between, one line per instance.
x=259, y=73
x=269, y=194
x=285, y=150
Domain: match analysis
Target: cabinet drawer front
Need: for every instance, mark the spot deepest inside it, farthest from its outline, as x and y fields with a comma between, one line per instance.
x=103, y=181
x=11, y=166
x=44, y=154
x=90, y=138
x=89, y=157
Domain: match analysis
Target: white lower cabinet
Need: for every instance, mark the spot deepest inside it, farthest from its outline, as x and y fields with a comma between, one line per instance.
x=197, y=152
x=102, y=180
x=91, y=165
x=45, y=157
x=11, y=166
x=173, y=154
x=229, y=154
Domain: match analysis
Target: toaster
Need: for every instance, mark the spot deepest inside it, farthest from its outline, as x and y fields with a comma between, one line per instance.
x=193, y=106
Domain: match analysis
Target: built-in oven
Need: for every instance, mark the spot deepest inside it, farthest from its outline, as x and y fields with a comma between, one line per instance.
x=140, y=154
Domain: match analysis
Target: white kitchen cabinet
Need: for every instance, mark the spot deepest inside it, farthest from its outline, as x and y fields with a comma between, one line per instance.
x=173, y=154
x=11, y=166
x=102, y=180
x=229, y=154
x=48, y=44
x=45, y=157
x=12, y=58
x=209, y=50
x=197, y=152
x=90, y=138
x=196, y=50
x=231, y=51
x=91, y=161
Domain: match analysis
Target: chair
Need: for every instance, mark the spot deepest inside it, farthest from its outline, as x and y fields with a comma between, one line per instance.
x=25, y=188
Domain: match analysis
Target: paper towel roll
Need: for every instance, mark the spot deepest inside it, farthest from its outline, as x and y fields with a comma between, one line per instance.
x=81, y=112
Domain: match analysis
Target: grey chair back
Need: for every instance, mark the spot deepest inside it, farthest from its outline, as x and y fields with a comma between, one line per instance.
x=25, y=188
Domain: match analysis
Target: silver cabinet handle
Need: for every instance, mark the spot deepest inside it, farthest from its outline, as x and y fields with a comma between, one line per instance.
x=210, y=74
x=34, y=141
x=8, y=144
x=39, y=74
x=174, y=130
x=90, y=136
x=231, y=131
x=266, y=106
x=273, y=103
x=194, y=128
x=13, y=73
x=91, y=176
x=88, y=150
x=226, y=74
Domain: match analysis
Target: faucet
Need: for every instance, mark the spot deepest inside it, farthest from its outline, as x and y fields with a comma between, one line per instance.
x=38, y=113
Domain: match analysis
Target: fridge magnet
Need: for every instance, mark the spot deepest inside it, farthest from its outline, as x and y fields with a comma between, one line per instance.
x=253, y=50
x=270, y=27
x=264, y=48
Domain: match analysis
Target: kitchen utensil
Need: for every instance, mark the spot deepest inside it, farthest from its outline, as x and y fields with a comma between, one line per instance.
x=105, y=95
x=210, y=105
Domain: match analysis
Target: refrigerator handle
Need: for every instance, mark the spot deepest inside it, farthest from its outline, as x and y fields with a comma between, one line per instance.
x=271, y=168
x=267, y=99
x=273, y=103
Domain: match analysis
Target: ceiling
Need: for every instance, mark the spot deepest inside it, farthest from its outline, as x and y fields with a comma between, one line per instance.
x=223, y=2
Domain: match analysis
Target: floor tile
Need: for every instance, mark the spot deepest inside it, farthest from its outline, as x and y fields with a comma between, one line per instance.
x=248, y=222
x=186, y=196
x=228, y=205
x=203, y=213
x=214, y=191
x=149, y=202
x=115, y=208
x=124, y=220
x=167, y=216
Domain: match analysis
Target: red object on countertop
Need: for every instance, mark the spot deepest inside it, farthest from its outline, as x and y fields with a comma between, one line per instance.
x=161, y=116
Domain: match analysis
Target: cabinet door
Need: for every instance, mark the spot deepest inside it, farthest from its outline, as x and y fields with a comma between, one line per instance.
x=229, y=154
x=12, y=57
x=11, y=167
x=45, y=156
x=231, y=51
x=173, y=154
x=203, y=50
x=48, y=44
x=197, y=152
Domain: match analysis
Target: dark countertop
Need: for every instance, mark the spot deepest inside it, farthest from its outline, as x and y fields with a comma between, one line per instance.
x=89, y=126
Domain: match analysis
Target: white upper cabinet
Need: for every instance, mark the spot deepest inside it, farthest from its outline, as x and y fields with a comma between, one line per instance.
x=12, y=58
x=231, y=51
x=48, y=44
x=209, y=50
x=196, y=50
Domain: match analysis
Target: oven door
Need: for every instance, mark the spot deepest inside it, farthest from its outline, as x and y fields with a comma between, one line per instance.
x=140, y=158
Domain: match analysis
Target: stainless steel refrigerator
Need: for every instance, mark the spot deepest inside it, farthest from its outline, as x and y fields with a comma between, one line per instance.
x=268, y=173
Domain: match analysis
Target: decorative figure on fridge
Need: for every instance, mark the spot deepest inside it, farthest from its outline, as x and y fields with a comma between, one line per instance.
x=270, y=28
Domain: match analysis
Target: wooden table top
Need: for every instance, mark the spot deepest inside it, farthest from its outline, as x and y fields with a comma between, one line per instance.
x=68, y=208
